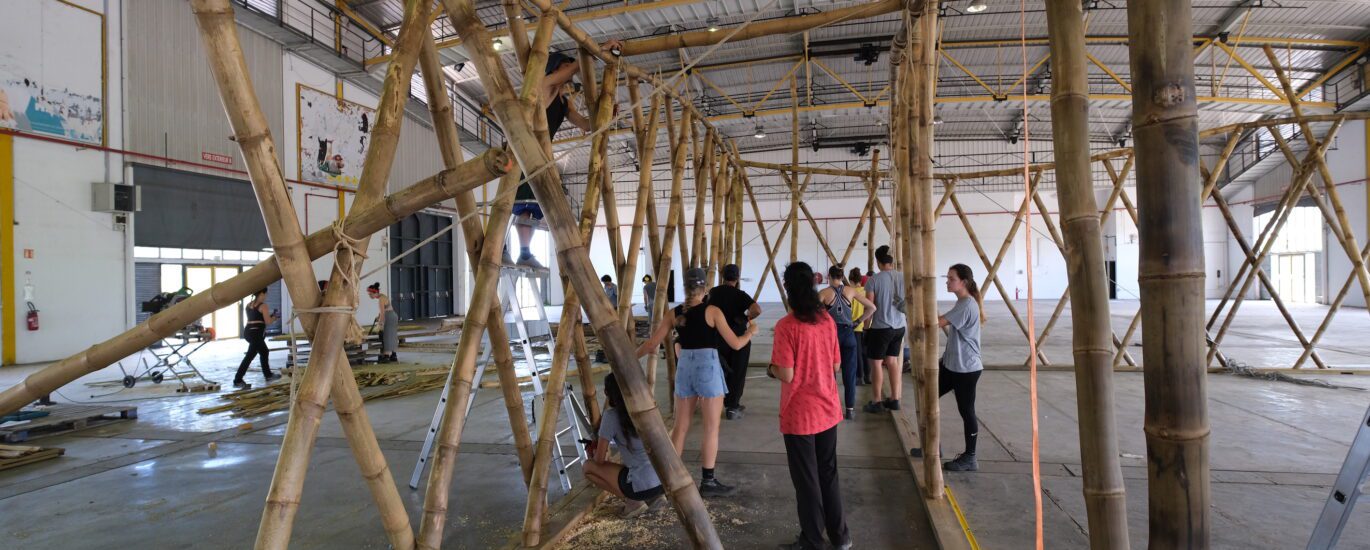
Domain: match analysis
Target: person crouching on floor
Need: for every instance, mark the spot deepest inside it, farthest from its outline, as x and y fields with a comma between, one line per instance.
x=635, y=480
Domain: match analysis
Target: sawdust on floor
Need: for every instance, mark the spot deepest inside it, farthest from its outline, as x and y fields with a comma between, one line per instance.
x=657, y=529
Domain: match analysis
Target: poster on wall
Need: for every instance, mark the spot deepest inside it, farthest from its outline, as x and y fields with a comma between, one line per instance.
x=52, y=70
x=334, y=135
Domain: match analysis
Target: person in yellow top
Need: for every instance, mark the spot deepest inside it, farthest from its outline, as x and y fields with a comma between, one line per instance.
x=858, y=282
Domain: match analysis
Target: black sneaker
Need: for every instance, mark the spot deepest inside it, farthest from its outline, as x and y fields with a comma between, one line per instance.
x=733, y=414
x=874, y=407
x=272, y=377
x=891, y=404
x=715, y=488
x=394, y=357
x=847, y=413
x=242, y=385
x=845, y=545
x=964, y=463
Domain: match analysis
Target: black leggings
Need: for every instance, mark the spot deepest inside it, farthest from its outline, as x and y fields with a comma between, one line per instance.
x=963, y=383
x=255, y=335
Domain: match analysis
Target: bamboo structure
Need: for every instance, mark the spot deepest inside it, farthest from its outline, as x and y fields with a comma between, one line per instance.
x=924, y=60
x=794, y=176
x=572, y=255
x=1171, y=272
x=646, y=141
x=758, y=29
x=449, y=144
x=219, y=32
x=1105, y=495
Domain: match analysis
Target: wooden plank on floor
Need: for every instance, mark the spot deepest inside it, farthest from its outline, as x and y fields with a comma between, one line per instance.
x=65, y=418
x=13, y=456
x=948, y=524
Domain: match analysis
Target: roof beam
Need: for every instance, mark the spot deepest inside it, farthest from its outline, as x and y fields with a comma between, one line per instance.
x=784, y=25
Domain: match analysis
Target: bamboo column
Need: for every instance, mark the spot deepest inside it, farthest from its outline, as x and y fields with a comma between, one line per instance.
x=1171, y=273
x=569, y=327
x=923, y=46
x=771, y=251
x=219, y=32
x=572, y=256
x=449, y=144
x=674, y=213
x=1105, y=494
x=702, y=168
x=646, y=152
x=312, y=395
x=717, y=185
x=367, y=220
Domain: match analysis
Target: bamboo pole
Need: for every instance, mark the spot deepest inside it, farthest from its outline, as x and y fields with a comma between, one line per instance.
x=646, y=151
x=794, y=176
x=572, y=255
x=473, y=233
x=219, y=32
x=924, y=91
x=765, y=243
x=1091, y=331
x=570, y=326
x=1171, y=274
x=674, y=213
x=425, y=193
x=716, y=184
x=703, y=180
x=292, y=464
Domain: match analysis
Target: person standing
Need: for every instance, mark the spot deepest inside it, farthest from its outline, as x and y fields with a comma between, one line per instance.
x=804, y=357
x=254, y=331
x=863, y=369
x=885, y=337
x=649, y=293
x=842, y=301
x=960, y=367
x=389, y=321
x=610, y=289
x=699, y=374
x=739, y=309
x=558, y=72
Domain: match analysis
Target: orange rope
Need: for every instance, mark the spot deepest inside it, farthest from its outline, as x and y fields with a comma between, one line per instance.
x=1032, y=330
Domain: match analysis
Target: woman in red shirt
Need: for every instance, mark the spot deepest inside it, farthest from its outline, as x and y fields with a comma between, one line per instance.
x=805, y=358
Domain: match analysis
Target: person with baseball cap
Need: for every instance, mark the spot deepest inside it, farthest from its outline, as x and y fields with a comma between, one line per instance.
x=699, y=379
x=561, y=68
x=739, y=309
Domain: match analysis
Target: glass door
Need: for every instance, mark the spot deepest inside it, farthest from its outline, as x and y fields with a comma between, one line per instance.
x=227, y=321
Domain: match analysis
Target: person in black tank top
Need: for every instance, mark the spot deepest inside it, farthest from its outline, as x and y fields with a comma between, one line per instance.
x=838, y=298
x=561, y=68
x=254, y=331
x=699, y=374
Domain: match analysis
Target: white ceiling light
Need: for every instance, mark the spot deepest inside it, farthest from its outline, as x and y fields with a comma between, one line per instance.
x=760, y=133
x=713, y=24
x=937, y=119
x=497, y=44
x=977, y=6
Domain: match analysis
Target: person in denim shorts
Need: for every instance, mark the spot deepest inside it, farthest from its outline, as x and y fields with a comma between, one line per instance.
x=699, y=372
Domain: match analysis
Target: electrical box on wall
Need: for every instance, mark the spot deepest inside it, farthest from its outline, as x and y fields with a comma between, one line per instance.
x=115, y=197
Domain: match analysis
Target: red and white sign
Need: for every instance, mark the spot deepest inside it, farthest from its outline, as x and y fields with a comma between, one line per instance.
x=214, y=157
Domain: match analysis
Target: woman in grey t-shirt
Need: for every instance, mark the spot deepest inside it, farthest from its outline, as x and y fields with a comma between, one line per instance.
x=635, y=480
x=960, y=367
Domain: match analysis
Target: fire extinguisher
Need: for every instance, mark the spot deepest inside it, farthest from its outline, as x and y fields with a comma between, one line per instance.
x=33, y=317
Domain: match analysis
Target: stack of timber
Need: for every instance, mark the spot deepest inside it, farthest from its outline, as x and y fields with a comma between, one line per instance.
x=376, y=382
x=13, y=456
x=61, y=418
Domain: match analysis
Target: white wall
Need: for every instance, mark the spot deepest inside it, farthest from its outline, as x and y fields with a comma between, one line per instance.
x=53, y=217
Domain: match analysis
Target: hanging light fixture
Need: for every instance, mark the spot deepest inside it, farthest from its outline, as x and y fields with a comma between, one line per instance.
x=937, y=119
x=760, y=133
x=713, y=24
x=497, y=45
x=977, y=6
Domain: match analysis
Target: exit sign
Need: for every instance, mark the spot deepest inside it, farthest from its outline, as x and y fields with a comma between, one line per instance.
x=215, y=157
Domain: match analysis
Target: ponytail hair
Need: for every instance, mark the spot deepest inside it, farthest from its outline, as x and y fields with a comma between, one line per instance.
x=967, y=277
x=804, y=302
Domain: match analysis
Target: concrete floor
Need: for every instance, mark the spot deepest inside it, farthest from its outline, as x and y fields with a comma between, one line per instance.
x=1275, y=449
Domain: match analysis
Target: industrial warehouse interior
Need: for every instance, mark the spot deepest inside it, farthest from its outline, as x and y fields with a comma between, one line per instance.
x=660, y=274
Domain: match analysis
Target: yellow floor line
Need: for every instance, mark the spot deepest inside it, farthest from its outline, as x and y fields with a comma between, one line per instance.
x=970, y=536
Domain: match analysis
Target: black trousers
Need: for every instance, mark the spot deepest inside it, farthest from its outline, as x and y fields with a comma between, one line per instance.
x=256, y=347
x=813, y=469
x=734, y=373
x=963, y=383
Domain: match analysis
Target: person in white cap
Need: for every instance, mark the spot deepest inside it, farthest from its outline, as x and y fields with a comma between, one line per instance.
x=699, y=373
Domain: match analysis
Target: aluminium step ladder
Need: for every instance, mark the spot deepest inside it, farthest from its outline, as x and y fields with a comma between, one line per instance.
x=1352, y=482
x=528, y=332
